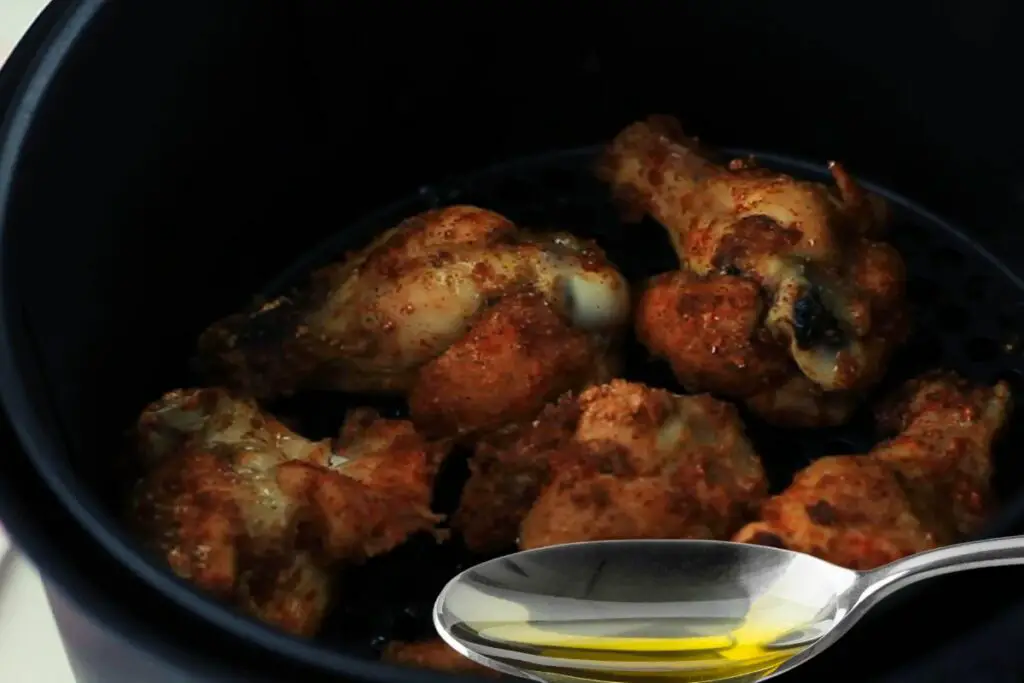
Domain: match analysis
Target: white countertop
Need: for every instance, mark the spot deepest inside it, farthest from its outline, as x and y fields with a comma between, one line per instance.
x=31, y=650
x=15, y=17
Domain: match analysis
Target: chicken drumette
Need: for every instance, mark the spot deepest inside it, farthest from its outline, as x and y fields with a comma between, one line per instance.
x=478, y=321
x=621, y=460
x=785, y=297
x=255, y=514
x=926, y=487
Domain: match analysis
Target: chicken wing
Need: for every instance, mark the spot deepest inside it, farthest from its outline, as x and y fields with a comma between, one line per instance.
x=928, y=486
x=507, y=476
x=945, y=430
x=427, y=302
x=255, y=514
x=785, y=299
x=433, y=654
x=519, y=355
x=621, y=460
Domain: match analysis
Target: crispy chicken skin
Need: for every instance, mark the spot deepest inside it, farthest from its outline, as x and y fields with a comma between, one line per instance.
x=784, y=299
x=850, y=510
x=508, y=474
x=257, y=515
x=620, y=460
x=945, y=428
x=925, y=487
x=518, y=356
x=433, y=654
x=424, y=303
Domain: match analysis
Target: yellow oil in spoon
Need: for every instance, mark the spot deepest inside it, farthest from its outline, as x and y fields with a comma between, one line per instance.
x=728, y=647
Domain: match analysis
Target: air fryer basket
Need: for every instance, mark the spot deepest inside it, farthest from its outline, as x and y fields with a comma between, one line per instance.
x=169, y=157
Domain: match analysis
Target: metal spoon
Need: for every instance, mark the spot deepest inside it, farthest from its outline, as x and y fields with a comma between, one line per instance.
x=703, y=610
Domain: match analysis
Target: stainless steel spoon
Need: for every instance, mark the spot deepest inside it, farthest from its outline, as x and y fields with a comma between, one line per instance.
x=703, y=610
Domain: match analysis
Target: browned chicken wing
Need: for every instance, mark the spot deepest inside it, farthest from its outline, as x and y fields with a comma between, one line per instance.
x=945, y=428
x=433, y=654
x=784, y=299
x=507, y=477
x=851, y=510
x=519, y=355
x=252, y=512
x=424, y=310
x=926, y=487
x=621, y=460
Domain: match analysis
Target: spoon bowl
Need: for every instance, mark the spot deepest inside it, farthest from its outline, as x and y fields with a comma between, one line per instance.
x=695, y=610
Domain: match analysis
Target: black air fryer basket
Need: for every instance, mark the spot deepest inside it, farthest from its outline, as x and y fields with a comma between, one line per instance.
x=162, y=162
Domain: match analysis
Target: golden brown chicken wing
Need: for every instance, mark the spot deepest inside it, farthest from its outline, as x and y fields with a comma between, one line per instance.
x=927, y=486
x=433, y=654
x=518, y=355
x=851, y=510
x=621, y=460
x=257, y=515
x=507, y=476
x=945, y=429
x=425, y=302
x=784, y=299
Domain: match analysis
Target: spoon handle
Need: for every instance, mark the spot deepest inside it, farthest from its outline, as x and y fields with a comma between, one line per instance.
x=954, y=558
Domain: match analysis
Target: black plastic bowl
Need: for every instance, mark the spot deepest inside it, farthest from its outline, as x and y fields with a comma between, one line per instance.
x=161, y=161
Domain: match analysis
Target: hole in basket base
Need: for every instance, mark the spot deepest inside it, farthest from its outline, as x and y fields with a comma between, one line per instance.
x=946, y=258
x=953, y=318
x=921, y=292
x=983, y=350
x=976, y=287
x=839, y=447
x=918, y=356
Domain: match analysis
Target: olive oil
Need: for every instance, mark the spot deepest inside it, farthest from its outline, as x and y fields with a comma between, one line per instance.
x=698, y=658
x=719, y=640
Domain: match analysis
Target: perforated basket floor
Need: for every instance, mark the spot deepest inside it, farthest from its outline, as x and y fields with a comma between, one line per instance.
x=968, y=310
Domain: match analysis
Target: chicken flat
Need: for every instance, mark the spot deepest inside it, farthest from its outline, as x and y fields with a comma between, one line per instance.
x=927, y=486
x=255, y=514
x=621, y=460
x=446, y=306
x=785, y=297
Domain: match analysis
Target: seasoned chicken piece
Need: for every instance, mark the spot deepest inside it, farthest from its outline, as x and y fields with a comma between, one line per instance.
x=507, y=476
x=257, y=515
x=654, y=465
x=621, y=460
x=388, y=456
x=851, y=510
x=945, y=430
x=597, y=502
x=433, y=654
x=784, y=298
x=926, y=487
x=519, y=355
x=426, y=302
